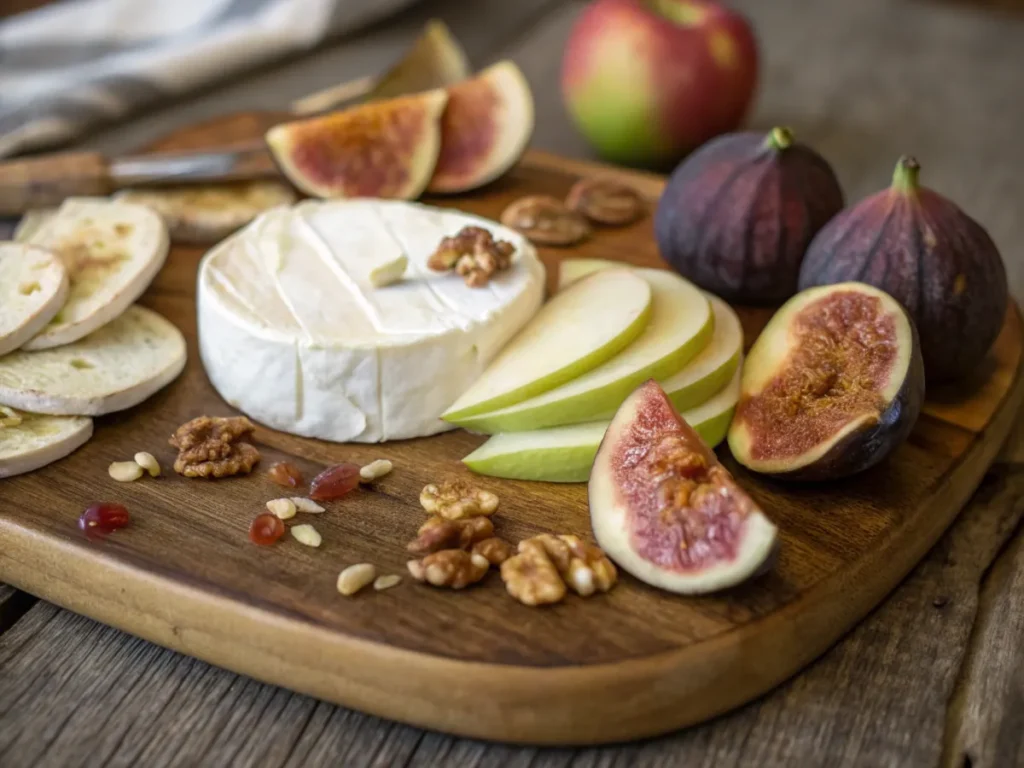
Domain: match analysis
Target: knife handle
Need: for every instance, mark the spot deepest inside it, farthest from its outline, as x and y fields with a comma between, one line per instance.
x=41, y=182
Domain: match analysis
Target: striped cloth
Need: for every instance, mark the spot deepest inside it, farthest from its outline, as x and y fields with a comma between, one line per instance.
x=77, y=63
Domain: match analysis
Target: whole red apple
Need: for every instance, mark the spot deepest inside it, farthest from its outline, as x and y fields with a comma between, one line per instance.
x=646, y=81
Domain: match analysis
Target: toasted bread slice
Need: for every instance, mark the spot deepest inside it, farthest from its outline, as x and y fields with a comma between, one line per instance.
x=118, y=366
x=112, y=251
x=206, y=214
x=33, y=287
x=29, y=441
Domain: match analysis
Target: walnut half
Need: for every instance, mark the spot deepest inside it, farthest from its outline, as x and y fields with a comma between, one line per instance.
x=531, y=578
x=546, y=564
x=452, y=568
x=437, y=534
x=214, y=446
x=606, y=201
x=474, y=254
x=545, y=220
x=455, y=499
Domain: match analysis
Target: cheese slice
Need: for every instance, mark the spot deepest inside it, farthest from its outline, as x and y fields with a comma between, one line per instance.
x=112, y=252
x=294, y=333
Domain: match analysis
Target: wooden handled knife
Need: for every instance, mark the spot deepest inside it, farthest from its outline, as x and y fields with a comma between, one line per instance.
x=46, y=180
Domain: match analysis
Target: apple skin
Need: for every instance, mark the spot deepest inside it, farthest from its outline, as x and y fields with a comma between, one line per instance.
x=647, y=81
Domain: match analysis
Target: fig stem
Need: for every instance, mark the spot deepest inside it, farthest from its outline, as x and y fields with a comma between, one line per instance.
x=904, y=178
x=779, y=138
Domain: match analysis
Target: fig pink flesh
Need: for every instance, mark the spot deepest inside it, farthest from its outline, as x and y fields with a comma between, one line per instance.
x=362, y=153
x=845, y=346
x=684, y=511
x=468, y=129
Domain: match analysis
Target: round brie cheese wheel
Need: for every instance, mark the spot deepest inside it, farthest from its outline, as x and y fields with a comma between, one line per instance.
x=294, y=333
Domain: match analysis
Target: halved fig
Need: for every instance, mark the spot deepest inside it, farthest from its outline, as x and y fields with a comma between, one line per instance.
x=832, y=385
x=382, y=149
x=485, y=127
x=664, y=508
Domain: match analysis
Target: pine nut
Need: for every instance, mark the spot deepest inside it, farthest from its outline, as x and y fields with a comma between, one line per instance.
x=306, y=505
x=387, y=582
x=125, y=471
x=148, y=462
x=307, y=534
x=375, y=470
x=282, y=508
x=355, y=577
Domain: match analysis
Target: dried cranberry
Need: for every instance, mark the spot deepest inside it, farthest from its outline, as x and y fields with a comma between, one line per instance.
x=334, y=482
x=103, y=517
x=265, y=529
x=286, y=474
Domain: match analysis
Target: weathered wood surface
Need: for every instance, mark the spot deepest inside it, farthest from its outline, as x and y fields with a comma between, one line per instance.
x=863, y=82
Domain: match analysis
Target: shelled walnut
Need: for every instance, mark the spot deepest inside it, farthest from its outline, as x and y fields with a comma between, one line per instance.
x=496, y=550
x=437, y=533
x=606, y=201
x=474, y=254
x=531, y=577
x=452, y=568
x=214, y=446
x=545, y=220
x=456, y=499
x=546, y=564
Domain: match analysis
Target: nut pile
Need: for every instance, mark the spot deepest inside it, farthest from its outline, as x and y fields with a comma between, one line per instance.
x=457, y=547
x=474, y=254
x=457, y=543
x=214, y=446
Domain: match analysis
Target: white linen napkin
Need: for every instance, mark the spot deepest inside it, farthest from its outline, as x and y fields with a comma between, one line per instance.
x=70, y=66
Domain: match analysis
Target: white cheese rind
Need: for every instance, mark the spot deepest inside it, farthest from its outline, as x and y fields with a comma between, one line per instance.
x=293, y=333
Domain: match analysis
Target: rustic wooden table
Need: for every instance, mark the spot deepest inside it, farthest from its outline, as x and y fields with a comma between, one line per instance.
x=935, y=676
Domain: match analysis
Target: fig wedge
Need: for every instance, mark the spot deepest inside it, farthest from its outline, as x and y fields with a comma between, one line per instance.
x=832, y=385
x=382, y=149
x=486, y=126
x=664, y=508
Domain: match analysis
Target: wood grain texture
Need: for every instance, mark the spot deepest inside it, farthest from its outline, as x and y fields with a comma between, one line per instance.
x=419, y=655
x=77, y=693
x=985, y=726
x=13, y=605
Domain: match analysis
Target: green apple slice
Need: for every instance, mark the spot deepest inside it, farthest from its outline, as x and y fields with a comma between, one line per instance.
x=575, y=332
x=565, y=454
x=705, y=374
x=681, y=327
x=712, y=369
x=573, y=270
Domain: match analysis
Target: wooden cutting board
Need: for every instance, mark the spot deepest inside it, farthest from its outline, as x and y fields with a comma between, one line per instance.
x=633, y=663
